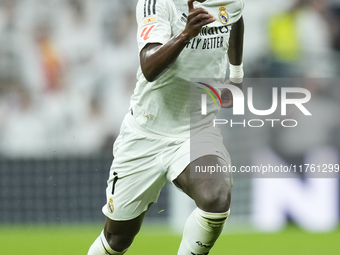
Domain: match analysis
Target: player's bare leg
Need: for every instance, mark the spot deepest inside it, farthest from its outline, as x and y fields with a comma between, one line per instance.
x=116, y=237
x=212, y=196
x=209, y=194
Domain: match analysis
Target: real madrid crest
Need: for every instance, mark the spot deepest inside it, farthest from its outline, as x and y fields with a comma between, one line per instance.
x=223, y=15
x=110, y=205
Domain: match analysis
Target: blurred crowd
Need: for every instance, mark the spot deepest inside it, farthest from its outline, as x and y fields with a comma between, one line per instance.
x=68, y=67
x=298, y=39
x=67, y=70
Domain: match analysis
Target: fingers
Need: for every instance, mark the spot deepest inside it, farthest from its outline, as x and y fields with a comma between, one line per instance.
x=227, y=103
x=197, y=18
x=197, y=11
x=227, y=98
x=204, y=22
x=200, y=16
x=191, y=5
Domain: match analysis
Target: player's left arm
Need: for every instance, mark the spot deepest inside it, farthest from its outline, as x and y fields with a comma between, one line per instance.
x=235, y=55
x=235, y=51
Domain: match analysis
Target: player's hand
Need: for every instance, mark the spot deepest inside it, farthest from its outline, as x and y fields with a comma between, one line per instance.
x=197, y=18
x=227, y=96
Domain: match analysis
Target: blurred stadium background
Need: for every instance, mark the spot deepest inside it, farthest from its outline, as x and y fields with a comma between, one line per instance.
x=67, y=70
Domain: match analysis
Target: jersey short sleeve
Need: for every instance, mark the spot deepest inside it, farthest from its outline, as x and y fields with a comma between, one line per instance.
x=236, y=10
x=154, y=19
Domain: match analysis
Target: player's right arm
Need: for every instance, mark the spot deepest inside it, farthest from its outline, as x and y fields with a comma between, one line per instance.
x=156, y=58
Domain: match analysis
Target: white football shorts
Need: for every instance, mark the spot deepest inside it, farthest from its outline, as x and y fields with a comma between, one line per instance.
x=145, y=161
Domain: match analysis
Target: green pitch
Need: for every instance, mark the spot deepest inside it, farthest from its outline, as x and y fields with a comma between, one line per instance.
x=74, y=240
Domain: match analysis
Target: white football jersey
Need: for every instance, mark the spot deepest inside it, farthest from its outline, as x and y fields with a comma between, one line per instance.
x=167, y=106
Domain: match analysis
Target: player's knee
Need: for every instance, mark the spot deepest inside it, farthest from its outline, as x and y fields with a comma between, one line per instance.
x=119, y=243
x=216, y=203
x=120, y=234
x=217, y=200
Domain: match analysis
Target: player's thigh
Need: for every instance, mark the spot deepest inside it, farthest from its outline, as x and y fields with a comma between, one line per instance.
x=211, y=192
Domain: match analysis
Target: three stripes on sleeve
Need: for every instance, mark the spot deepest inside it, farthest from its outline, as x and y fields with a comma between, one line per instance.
x=149, y=7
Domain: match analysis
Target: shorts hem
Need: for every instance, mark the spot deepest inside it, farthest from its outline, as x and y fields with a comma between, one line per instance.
x=111, y=216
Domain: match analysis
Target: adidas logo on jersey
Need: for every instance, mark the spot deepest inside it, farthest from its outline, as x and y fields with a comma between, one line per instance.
x=184, y=18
